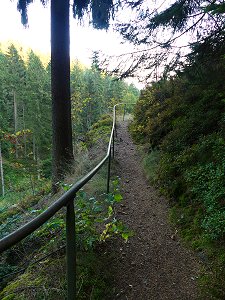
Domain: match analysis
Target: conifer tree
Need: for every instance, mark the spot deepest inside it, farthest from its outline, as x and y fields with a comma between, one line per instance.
x=101, y=12
x=16, y=74
x=37, y=106
x=4, y=120
x=60, y=71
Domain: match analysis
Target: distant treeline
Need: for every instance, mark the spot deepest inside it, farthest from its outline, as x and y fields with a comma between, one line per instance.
x=25, y=105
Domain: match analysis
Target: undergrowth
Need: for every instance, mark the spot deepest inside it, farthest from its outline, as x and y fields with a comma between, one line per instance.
x=95, y=223
x=36, y=268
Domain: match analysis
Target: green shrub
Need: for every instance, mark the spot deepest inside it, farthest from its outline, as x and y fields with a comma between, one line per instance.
x=151, y=164
x=99, y=132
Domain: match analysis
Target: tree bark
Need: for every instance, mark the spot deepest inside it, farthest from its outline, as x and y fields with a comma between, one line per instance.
x=60, y=85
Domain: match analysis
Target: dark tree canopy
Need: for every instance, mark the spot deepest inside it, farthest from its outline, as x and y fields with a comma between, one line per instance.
x=22, y=7
x=203, y=20
x=101, y=10
x=176, y=16
x=181, y=16
x=157, y=35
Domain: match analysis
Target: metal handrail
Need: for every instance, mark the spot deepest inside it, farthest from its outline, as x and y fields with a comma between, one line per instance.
x=65, y=200
x=34, y=224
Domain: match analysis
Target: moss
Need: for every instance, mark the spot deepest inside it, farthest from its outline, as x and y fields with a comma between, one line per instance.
x=23, y=282
x=41, y=281
x=47, y=280
x=93, y=276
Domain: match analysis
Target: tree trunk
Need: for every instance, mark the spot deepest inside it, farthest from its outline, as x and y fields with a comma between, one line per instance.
x=24, y=135
x=60, y=85
x=34, y=148
x=38, y=164
x=1, y=172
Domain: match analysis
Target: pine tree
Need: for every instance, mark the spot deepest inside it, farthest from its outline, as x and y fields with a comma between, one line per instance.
x=14, y=91
x=4, y=118
x=37, y=106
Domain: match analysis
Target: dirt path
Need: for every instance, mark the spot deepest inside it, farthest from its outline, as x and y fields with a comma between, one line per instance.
x=153, y=264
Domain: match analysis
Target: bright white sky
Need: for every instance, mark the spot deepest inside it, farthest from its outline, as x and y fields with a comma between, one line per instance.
x=37, y=36
x=83, y=40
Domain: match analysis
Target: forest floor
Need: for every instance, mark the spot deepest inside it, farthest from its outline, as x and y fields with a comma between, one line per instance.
x=153, y=264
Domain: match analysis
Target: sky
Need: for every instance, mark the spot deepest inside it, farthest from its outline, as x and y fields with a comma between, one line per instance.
x=84, y=39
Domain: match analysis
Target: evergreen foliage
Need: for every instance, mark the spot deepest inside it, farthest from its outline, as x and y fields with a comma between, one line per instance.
x=26, y=151
x=101, y=10
x=166, y=34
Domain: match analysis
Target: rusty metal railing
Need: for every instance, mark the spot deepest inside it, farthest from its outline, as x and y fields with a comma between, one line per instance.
x=66, y=200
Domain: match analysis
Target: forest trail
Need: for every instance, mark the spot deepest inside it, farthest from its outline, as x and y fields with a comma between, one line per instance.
x=153, y=264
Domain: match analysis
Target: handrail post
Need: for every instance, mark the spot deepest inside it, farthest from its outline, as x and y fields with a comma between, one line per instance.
x=71, y=251
x=109, y=167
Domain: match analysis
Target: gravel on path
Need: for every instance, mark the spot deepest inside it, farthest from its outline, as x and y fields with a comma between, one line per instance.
x=153, y=264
